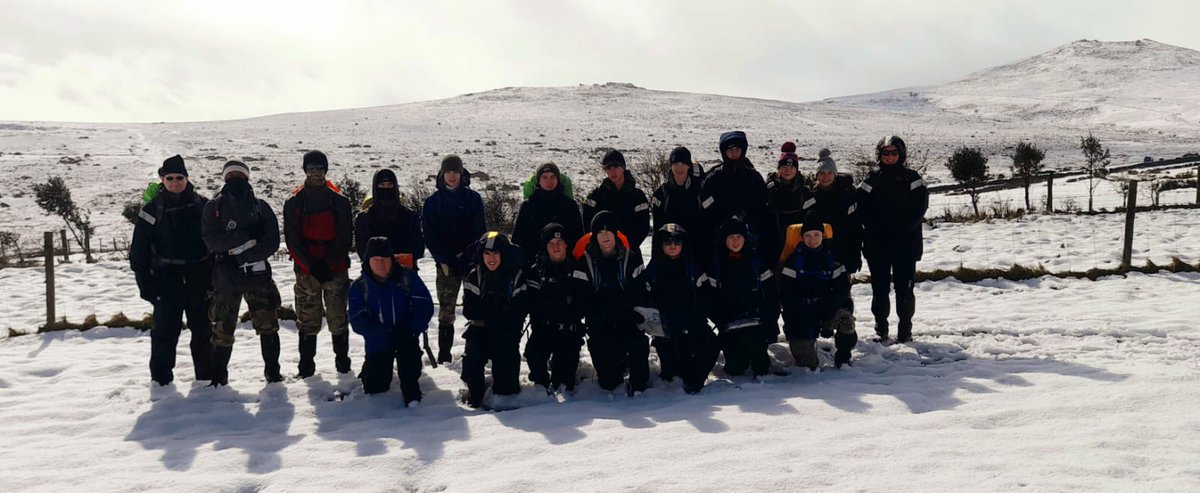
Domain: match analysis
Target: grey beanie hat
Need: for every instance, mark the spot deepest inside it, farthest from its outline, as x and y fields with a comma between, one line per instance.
x=825, y=163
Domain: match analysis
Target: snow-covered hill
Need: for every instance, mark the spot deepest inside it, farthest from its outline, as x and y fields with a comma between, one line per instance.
x=507, y=132
x=1139, y=84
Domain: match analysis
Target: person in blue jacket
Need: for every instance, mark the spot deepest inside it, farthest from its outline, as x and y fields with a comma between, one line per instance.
x=815, y=294
x=390, y=307
x=452, y=218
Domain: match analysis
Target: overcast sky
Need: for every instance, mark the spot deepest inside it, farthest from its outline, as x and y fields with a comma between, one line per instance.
x=168, y=60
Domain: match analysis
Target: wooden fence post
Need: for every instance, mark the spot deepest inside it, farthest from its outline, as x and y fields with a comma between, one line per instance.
x=49, y=249
x=1130, y=207
x=1050, y=193
x=62, y=233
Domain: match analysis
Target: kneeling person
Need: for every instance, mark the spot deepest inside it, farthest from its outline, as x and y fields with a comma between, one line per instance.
x=687, y=346
x=494, y=306
x=608, y=268
x=390, y=307
x=817, y=295
x=555, y=314
x=741, y=297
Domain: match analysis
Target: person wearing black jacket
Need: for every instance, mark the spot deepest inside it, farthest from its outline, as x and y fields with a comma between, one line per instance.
x=893, y=200
x=677, y=201
x=173, y=272
x=242, y=233
x=547, y=201
x=815, y=293
x=687, y=346
x=786, y=196
x=318, y=227
x=835, y=202
x=555, y=314
x=385, y=216
x=739, y=291
x=734, y=188
x=452, y=218
x=495, y=306
x=619, y=194
x=609, y=268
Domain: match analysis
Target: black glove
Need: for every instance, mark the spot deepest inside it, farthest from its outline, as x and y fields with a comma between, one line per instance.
x=320, y=271
x=147, y=287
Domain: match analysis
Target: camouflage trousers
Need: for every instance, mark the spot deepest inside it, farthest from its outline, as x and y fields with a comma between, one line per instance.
x=263, y=303
x=448, y=286
x=316, y=300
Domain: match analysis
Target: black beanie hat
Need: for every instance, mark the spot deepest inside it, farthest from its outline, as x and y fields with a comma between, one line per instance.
x=451, y=163
x=551, y=167
x=680, y=155
x=379, y=247
x=604, y=221
x=812, y=222
x=552, y=231
x=315, y=159
x=734, y=226
x=812, y=226
x=613, y=158
x=173, y=164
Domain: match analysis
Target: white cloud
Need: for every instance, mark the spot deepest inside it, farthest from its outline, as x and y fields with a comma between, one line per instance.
x=183, y=60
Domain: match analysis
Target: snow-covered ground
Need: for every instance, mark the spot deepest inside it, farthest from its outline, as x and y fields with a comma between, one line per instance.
x=1042, y=385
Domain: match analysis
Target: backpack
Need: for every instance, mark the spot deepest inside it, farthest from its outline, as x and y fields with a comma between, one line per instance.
x=795, y=237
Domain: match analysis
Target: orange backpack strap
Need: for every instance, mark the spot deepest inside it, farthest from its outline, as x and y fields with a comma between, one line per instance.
x=581, y=245
x=792, y=240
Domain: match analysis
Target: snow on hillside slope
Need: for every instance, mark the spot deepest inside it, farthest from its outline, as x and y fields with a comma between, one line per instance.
x=1139, y=84
x=506, y=132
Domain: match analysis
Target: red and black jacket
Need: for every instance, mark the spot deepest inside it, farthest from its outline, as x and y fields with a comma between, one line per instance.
x=320, y=232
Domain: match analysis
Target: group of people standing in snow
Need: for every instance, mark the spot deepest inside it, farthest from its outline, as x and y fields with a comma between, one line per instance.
x=729, y=250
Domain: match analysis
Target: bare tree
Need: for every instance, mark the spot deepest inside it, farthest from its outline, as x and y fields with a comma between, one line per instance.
x=650, y=169
x=414, y=197
x=9, y=241
x=500, y=208
x=353, y=190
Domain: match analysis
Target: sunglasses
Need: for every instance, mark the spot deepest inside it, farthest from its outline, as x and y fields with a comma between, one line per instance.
x=889, y=153
x=174, y=177
x=672, y=243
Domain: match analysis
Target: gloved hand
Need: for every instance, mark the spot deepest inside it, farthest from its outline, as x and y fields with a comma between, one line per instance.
x=320, y=271
x=147, y=287
x=852, y=267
